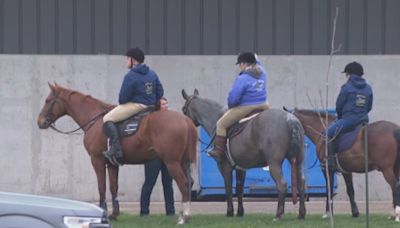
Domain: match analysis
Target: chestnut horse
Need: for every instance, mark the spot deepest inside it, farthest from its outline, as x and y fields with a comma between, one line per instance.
x=168, y=135
x=383, y=153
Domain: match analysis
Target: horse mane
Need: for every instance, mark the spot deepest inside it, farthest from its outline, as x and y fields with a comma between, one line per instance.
x=209, y=102
x=70, y=93
x=311, y=112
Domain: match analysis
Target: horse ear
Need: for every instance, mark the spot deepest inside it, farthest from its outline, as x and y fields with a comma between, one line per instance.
x=196, y=92
x=285, y=109
x=184, y=94
x=51, y=86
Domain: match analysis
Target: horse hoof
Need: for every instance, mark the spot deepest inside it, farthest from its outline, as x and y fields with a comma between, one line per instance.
x=113, y=217
x=325, y=216
x=183, y=219
x=355, y=215
x=240, y=214
x=229, y=214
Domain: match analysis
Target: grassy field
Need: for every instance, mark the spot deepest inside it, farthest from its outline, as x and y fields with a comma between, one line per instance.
x=253, y=220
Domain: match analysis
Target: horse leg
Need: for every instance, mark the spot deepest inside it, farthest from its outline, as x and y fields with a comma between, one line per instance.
x=276, y=173
x=331, y=178
x=226, y=171
x=240, y=178
x=113, y=178
x=301, y=182
x=391, y=179
x=177, y=172
x=100, y=169
x=348, y=179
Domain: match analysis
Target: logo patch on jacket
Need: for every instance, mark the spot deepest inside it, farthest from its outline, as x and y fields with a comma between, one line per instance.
x=361, y=100
x=149, y=87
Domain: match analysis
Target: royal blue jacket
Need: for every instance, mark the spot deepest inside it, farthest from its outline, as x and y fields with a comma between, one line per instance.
x=141, y=85
x=354, y=100
x=249, y=88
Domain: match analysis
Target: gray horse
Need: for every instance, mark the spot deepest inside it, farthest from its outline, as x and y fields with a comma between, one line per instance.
x=268, y=139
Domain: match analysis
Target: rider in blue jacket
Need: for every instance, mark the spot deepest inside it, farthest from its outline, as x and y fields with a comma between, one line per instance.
x=141, y=88
x=352, y=107
x=248, y=93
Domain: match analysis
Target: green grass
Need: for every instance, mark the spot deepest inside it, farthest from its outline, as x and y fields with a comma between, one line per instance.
x=252, y=220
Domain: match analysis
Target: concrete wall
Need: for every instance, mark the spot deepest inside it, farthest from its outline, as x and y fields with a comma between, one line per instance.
x=49, y=163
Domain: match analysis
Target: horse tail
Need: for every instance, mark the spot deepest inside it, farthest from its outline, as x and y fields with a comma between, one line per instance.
x=191, y=146
x=295, y=153
x=396, y=134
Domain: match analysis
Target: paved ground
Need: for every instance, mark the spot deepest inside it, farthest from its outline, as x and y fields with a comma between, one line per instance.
x=262, y=206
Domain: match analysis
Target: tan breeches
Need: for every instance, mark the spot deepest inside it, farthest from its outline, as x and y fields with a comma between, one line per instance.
x=123, y=111
x=233, y=115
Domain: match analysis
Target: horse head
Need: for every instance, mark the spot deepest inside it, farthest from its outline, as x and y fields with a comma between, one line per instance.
x=53, y=108
x=188, y=108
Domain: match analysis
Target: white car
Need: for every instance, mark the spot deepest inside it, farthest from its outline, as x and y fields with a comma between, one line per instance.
x=24, y=210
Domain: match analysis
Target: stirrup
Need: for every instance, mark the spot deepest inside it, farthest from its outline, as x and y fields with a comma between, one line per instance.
x=112, y=158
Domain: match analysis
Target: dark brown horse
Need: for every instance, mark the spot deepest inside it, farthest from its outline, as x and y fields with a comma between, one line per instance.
x=168, y=135
x=383, y=153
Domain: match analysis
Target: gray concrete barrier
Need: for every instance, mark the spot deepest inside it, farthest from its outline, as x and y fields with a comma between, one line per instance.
x=49, y=163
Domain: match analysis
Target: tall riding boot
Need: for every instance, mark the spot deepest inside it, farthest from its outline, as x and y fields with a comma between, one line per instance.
x=331, y=155
x=219, y=148
x=115, y=152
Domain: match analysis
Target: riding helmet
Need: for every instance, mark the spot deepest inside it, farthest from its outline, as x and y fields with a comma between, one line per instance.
x=354, y=68
x=136, y=53
x=246, y=57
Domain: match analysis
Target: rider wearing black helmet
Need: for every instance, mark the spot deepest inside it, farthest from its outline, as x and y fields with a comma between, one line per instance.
x=352, y=106
x=141, y=87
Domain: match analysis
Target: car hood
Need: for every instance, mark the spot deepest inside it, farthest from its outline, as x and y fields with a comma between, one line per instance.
x=51, y=203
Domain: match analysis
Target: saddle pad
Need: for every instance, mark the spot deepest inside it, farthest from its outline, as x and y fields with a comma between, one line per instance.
x=131, y=125
x=346, y=140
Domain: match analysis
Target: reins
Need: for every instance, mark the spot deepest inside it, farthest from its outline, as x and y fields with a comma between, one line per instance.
x=89, y=124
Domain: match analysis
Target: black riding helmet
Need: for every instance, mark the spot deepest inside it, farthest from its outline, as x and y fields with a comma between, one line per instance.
x=354, y=68
x=246, y=57
x=135, y=53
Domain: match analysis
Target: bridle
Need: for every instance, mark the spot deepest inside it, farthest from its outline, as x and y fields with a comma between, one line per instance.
x=84, y=127
x=185, y=109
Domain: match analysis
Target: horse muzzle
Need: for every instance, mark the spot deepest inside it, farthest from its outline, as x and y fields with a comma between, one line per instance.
x=43, y=123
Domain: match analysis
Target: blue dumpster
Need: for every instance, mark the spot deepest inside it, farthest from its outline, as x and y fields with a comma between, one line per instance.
x=259, y=182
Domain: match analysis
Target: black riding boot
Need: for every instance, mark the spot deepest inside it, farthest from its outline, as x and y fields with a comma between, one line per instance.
x=115, y=152
x=331, y=155
x=219, y=148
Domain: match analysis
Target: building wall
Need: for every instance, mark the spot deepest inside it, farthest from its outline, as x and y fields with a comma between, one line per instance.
x=199, y=27
x=46, y=162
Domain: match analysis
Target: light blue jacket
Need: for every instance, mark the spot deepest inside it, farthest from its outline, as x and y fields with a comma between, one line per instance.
x=249, y=88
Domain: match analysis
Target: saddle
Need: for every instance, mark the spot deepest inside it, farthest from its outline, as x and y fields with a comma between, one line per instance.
x=238, y=127
x=346, y=140
x=129, y=126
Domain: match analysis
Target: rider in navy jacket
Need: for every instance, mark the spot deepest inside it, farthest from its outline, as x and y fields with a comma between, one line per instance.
x=141, y=85
x=140, y=88
x=353, y=104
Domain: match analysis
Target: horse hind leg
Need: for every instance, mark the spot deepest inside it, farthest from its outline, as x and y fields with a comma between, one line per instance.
x=276, y=173
x=176, y=171
x=240, y=177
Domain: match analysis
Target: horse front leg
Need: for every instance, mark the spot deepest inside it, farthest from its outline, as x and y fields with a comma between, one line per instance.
x=113, y=178
x=276, y=173
x=331, y=178
x=348, y=179
x=226, y=171
x=240, y=178
x=100, y=170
